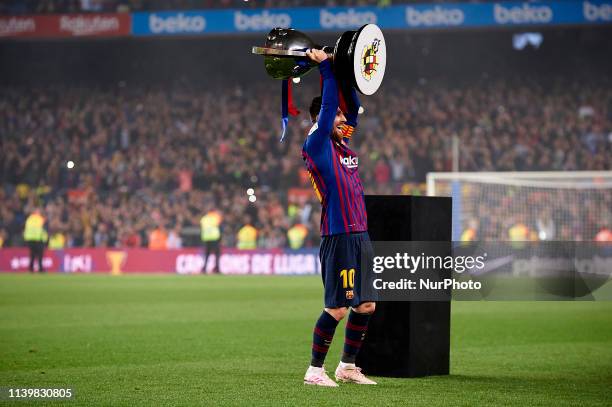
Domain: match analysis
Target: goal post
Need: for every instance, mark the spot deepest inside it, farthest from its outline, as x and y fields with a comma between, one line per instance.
x=501, y=206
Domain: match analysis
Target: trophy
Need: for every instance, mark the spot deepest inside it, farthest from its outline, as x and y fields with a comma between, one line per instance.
x=358, y=57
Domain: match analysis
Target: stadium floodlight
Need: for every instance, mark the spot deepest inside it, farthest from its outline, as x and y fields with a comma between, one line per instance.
x=553, y=205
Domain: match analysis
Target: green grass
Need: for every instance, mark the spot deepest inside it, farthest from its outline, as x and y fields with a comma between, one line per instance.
x=210, y=340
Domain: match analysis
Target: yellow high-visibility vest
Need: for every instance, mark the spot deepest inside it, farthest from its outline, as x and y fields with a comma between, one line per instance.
x=34, y=230
x=468, y=235
x=518, y=233
x=292, y=209
x=57, y=241
x=209, y=226
x=296, y=235
x=247, y=237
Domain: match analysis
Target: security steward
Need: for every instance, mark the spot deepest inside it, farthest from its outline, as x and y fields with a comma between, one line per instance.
x=210, y=228
x=35, y=236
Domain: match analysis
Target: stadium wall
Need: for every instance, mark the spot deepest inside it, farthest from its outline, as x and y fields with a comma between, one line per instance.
x=180, y=261
x=404, y=17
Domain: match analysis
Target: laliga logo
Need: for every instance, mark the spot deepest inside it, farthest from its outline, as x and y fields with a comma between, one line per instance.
x=179, y=23
x=346, y=19
x=593, y=12
x=350, y=161
x=434, y=16
x=521, y=15
x=261, y=21
x=368, y=59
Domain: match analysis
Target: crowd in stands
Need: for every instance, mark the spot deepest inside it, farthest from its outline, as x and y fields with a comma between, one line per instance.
x=542, y=210
x=109, y=166
x=111, y=6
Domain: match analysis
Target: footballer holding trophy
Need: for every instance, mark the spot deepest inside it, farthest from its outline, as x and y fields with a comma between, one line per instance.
x=358, y=61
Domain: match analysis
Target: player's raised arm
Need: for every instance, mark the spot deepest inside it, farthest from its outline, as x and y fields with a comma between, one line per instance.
x=329, y=103
x=353, y=109
x=351, y=116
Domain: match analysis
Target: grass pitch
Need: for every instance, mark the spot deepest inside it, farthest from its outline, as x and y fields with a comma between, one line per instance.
x=222, y=340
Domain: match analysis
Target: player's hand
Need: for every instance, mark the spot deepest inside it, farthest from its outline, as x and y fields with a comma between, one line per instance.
x=316, y=55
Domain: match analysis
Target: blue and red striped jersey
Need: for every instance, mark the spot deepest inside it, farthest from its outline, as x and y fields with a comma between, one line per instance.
x=333, y=166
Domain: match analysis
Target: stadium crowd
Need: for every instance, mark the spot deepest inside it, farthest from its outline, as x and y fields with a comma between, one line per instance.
x=110, y=166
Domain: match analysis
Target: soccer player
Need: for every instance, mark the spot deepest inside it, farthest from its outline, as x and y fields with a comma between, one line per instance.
x=332, y=167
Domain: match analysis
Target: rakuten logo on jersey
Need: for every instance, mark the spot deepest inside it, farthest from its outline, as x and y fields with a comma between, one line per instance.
x=261, y=21
x=177, y=24
x=346, y=19
x=85, y=25
x=436, y=16
x=17, y=25
x=522, y=14
x=593, y=12
x=350, y=161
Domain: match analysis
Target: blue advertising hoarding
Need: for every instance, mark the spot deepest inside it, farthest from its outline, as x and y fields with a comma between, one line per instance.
x=409, y=17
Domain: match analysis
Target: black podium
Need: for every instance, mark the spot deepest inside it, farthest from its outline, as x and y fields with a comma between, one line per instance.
x=408, y=339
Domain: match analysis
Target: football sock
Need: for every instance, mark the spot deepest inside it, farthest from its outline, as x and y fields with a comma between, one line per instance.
x=356, y=328
x=322, y=338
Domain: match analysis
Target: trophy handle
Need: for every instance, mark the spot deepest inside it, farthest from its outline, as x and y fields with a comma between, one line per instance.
x=283, y=52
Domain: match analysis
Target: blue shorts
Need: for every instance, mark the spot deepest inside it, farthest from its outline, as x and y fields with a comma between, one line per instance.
x=346, y=265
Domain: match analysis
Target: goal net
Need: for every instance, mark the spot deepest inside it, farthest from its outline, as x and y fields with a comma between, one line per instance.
x=518, y=206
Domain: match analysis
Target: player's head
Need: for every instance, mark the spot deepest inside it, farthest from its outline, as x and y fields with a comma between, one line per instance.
x=340, y=119
x=315, y=108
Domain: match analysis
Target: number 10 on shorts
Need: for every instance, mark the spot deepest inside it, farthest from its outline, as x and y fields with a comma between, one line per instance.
x=348, y=278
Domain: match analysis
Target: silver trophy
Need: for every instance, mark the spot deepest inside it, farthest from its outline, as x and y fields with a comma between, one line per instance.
x=358, y=56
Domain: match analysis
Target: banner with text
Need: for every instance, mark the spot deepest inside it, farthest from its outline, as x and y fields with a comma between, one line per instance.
x=181, y=261
x=414, y=16
x=65, y=25
x=234, y=21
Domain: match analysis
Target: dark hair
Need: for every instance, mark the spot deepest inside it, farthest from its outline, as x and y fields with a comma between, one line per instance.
x=315, y=108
